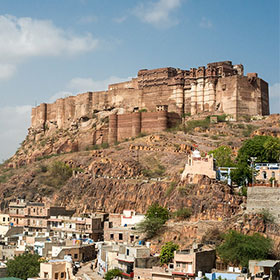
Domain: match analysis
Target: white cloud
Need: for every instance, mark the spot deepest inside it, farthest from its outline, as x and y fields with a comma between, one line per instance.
x=206, y=23
x=120, y=19
x=22, y=38
x=7, y=71
x=274, y=98
x=158, y=13
x=88, y=84
x=14, y=122
x=88, y=19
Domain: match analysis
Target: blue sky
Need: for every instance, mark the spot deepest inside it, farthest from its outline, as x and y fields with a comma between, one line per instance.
x=50, y=49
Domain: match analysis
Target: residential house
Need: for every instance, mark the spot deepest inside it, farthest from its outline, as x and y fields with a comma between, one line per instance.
x=57, y=269
x=127, y=257
x=76, y=227
x=267, y=171
x=4, y=224
x=265, y=269
x=121, y=228
x=77, y=252
x=187, y=264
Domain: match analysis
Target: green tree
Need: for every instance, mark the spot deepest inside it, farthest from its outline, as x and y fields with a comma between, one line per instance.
x=167, y=252
x=155, y=218
x=242, y=174
x=238, y=249
x=24, y=266
x=272, y=149
x=155, y=211
x=265, y=148
x=113, y=273
x=223, y=156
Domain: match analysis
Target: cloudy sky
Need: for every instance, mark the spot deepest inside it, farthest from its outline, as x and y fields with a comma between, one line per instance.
x=50, y=49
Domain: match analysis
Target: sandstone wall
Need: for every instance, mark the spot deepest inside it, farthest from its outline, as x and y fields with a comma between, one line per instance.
x=132, y=124
x=218, y=88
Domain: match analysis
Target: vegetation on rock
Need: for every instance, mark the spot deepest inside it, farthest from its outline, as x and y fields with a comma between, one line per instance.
x=238, y=248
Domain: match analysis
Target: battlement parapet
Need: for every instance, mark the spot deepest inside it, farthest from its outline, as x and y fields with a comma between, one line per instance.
x=220, y=87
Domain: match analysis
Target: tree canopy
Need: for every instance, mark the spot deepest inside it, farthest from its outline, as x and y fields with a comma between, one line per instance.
x=223, y=156
x=238, y=249
x=24, y=266
x=155, y=211
x=113, y=273
x=265, y=148
x=167, y=252
x=155, y=218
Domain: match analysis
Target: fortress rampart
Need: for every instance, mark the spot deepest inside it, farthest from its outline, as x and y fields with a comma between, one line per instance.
x=132, y=124
x=218, y=88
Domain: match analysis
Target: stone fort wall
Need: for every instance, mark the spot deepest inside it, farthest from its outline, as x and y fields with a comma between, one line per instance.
x=218, y=88
x=131, y=125
x=260, y=198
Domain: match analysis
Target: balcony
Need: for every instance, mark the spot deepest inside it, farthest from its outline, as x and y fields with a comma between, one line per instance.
x=125, y=258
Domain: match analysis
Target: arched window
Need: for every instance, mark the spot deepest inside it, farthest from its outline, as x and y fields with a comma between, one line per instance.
x=264, y=175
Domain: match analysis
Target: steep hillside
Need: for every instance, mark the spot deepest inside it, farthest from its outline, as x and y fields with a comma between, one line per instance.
x=136, y=173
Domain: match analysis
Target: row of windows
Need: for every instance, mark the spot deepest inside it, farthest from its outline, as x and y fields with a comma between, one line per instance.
x=264, y=174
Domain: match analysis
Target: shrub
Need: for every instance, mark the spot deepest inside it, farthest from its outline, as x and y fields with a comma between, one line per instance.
x=104, y=145
x=267, y=217
x=57, y=175
x=143, y=110
x=182, y=213
x=170, y=188
x=214, y=137
x=113, y=273
x=198, y=123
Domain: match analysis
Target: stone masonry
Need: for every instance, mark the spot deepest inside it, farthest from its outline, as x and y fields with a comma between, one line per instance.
x=218, y=88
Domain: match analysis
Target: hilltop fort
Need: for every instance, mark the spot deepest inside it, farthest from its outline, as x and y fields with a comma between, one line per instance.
x=219, y=87
x=152, y=102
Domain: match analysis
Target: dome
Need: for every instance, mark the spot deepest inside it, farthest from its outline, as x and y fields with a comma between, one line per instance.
x=196, y=154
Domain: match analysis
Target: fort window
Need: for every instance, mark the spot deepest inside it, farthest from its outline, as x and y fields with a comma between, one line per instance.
x=75, y=256
x=264, y=175
x=56, y=275
x=120, y=236
x=162, y=108
x=112, y=236
x=62, y=275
